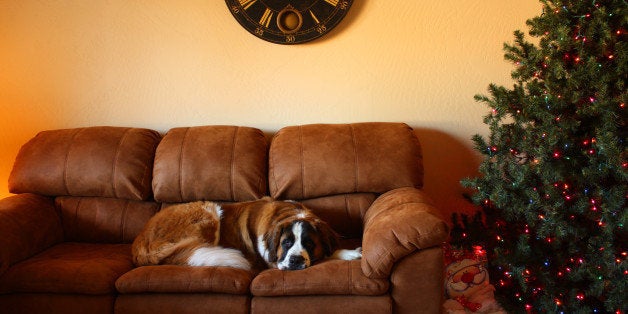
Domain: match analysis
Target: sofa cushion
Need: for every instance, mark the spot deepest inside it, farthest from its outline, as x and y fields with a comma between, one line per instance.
x=316, y=304
x=329, y=277
x=103, y=220
x=96, y=161
x=215, y=163
x=344, y=212
x=182, y=303
x=327, y=159
x=55, y=303
x=185, y=279
x=29, y=224
x=70, y=268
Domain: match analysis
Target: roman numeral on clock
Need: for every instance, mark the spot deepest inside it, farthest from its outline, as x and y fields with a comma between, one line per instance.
x=332, y=2
x=265, y=20
x=314, y=17
x=248, y=3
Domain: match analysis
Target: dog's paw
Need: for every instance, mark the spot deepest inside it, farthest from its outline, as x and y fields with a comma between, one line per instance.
x=348, y=255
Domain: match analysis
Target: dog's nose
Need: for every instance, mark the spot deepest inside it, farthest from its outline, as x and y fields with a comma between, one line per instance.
x=296, y=260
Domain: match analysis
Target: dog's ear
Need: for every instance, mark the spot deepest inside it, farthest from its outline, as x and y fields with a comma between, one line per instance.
x=271, y=239
x=329, y=237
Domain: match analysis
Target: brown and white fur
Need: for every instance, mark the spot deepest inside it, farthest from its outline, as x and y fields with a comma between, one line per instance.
x=249, y=235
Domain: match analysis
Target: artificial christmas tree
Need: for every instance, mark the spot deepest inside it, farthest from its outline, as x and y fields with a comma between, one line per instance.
x=554, y=179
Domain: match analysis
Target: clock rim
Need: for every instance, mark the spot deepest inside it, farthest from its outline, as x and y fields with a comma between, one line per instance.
x=250, y=25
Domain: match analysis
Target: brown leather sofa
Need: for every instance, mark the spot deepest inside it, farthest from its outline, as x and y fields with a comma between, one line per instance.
x=82, y=195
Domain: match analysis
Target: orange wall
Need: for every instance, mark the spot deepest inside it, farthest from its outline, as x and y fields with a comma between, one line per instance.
x=165, y=63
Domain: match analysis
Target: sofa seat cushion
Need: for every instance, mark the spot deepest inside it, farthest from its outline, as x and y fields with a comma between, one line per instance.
x=81, y=268
x=185, y=279
x=332, y=277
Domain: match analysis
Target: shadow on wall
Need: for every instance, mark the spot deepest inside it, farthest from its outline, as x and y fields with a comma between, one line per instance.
x=446, y=161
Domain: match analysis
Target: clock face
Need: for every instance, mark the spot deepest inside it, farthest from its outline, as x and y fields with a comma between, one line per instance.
x=288, y=21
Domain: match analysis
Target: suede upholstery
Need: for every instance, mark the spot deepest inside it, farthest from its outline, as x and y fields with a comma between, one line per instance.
x=216, y=163
x=83, y=195
x=320, y=160
x=97, y=161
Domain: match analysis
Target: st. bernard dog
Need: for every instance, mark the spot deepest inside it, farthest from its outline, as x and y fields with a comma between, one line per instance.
x=250, y=235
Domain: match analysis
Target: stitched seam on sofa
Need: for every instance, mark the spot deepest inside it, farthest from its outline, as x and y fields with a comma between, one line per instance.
x=396, y=205
x=345, y=289
x=350, y=282
x=72, y=229
x=283, y=282
x=148, y=280
x=181, y=151
x=347, y=211
x=376, y=267
x=394, y=258
x=148, y=167
x=355, y=154
x=386, y=256
x=123, y=221
x=271, y=168
x=232, y=172
x=188, y=279
x=302, y=163
x=212, y=281
x=66, y=162
x=114, y=168
x=400, y=204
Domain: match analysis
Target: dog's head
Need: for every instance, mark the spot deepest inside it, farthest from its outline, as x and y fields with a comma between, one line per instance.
x=299, y=240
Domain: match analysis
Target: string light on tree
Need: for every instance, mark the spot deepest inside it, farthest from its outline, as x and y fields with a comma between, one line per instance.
x=554, y=179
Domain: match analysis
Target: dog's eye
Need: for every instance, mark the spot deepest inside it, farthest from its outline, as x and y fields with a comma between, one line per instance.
x=287, y=242
x=309, y=244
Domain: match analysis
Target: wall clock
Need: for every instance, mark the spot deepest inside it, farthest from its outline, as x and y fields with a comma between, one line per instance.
x=289, y=21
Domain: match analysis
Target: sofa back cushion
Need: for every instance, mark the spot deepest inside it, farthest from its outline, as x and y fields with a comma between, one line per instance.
x=95, y=161
x=338, y=170
x=320, y=160
x=103, y=220
x=343, y=212
x=217, y=163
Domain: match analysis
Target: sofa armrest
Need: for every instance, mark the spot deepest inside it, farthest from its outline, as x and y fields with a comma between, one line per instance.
x=398, y=223
x=417, y=282
x=29, y=224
